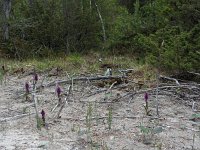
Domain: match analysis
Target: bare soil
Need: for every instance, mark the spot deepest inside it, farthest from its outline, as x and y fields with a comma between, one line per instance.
x=130, y=129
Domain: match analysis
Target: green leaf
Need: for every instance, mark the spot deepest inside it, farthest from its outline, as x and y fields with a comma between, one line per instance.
x=195, y=116
x=158, y=130
x=144, y=130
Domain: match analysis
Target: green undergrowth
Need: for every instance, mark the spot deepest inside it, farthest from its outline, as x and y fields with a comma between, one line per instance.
x=73, y=63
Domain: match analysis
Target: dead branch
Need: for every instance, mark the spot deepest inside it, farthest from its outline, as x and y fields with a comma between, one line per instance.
x=85, y=79
x=168, y=78
x=55, y=107
x=112, y=85
x=116, y=117
x=195, y=73
x=125, y=72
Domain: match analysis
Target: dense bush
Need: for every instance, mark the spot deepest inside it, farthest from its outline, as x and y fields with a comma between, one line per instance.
x=164, y=33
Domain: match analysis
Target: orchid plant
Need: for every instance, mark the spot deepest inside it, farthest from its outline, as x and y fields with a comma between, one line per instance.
x=3, y=74
x=58, y=93
x=146, y=106
x=35, y=80
x=43, y=116
x=27, y=90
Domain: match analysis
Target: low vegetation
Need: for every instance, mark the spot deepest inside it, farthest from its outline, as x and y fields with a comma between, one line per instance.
x=162, y=33
x=100, y=74
x=88, y=110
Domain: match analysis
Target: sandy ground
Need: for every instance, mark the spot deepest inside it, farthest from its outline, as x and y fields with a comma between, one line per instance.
x=172, y=131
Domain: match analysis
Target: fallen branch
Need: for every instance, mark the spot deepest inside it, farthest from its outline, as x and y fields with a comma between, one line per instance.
x=55, y=107
x=168, y=78
x=125, y=72
x=112, y=85
x=116, y=117
x=198, y=74
x=85, y=79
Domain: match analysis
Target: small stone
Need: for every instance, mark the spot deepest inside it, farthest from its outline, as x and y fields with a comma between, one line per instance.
x=112, y=137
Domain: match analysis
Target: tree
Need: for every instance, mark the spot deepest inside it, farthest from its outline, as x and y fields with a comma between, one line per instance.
x=6, y=16
x=101, y=20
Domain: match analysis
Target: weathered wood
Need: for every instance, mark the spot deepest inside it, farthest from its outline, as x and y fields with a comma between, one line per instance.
x=85, y=79
x=195, y=73
x=168, y=78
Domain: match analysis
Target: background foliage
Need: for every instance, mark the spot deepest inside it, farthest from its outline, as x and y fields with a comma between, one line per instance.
x=164, y=33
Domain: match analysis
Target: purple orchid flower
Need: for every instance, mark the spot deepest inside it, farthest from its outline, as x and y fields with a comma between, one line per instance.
x=35, y=77
x=58, y=90
x=43, y=115
x=27, y=86
x=146, y=97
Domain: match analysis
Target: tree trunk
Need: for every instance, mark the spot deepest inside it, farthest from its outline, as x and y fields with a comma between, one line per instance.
x=66, y=18
x=90, y=5
x=101, y=20
x=6, y=15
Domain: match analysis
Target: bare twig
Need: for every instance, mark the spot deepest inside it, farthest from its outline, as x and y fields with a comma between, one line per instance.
x=168, y=78
x=157, y=86
x=112, y=85
x=195, y=73
x=125, y=72
x=85, y=79
x=55, y=107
